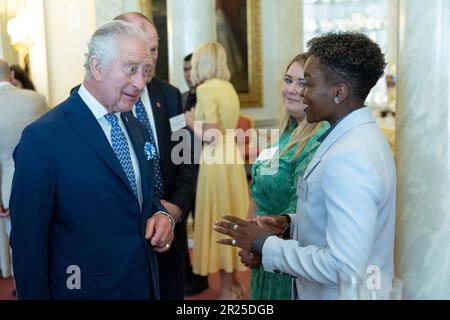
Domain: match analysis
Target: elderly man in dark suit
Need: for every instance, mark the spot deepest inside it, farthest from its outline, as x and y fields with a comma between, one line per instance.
x=159, y=105
x=85, y=220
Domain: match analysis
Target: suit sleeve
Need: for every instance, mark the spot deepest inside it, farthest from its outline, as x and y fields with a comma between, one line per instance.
x=185, y=175
x=31, y=205
x=351, y=205
x=157, y=206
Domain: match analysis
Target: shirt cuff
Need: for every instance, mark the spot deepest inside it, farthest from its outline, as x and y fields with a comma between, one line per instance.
x=171, y=219
x=258, y=244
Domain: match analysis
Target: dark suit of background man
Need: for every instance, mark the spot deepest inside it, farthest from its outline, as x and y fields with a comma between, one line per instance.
x=162, y=101
x=189, y=97
x=85, y=222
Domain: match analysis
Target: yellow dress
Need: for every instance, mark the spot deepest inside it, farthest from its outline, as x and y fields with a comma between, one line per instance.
x=222, y=183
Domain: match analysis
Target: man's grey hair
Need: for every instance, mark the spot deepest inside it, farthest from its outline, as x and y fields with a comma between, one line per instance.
x=104, y=43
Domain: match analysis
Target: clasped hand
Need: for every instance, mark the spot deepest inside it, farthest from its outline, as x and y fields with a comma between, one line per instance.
x=243, y=233
x=159, y=232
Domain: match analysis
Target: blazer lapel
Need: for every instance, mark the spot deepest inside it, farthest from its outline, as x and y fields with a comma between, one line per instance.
x=138, y=142
x=87, y=127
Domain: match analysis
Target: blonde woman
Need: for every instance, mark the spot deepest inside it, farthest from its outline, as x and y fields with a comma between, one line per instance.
x=276, y=194
x=222, y=183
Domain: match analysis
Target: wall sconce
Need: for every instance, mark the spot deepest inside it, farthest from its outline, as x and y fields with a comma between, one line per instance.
x=19, y=29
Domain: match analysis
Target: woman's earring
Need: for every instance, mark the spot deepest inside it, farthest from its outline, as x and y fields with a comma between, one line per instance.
x=336, y=100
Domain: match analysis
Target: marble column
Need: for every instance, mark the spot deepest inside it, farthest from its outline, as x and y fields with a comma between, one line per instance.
x=190, y=23
x=423, y=159
x=68, y=27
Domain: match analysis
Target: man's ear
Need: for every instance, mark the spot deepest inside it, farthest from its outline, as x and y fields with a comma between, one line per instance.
x=96, y=68
x=341, y=92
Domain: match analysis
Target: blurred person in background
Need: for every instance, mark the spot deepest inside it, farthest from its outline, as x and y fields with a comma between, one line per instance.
x=222, y=185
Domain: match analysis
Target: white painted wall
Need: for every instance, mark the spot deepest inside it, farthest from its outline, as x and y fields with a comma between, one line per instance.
x=69, y=25
x=38, y=52
x=106, y=10
x=1, y=45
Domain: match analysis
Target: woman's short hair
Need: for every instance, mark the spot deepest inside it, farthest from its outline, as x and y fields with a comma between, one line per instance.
x=104, y=42
x=209, y=61
x=351, y=57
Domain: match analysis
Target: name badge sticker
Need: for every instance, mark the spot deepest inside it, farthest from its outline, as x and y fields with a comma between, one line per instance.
x=267, y=154
x=177, y=123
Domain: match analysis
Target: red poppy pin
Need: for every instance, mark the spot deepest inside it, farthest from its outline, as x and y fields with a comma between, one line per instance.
x=158, y=104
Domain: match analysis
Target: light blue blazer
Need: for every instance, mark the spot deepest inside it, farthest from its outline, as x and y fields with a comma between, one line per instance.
x=345, y=212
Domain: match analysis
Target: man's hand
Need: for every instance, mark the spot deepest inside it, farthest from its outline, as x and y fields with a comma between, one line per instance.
x=173, y=209
x=242, y=232
x=4, y=213
x=159, y=232
x=249, y=259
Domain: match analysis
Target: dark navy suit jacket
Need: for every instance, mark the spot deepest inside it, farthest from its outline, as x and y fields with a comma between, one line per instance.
x=72, y=205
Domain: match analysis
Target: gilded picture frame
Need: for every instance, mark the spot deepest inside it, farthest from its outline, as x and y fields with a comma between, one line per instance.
x=238, y=26
x=146, y=8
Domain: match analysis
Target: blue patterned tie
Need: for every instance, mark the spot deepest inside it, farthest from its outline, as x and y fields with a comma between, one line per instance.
x=143, y=118
x=120, y=147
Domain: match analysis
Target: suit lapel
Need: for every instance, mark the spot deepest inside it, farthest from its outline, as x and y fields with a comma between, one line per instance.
x=138, y=142
x=87, y=127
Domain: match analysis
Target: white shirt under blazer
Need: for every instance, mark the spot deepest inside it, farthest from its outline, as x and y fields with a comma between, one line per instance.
x=345, y=212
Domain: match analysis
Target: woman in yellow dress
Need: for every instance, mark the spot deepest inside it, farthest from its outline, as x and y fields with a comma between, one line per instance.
x=222, y=183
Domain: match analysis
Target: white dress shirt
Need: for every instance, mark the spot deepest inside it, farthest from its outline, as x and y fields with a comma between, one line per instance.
x=99, y=112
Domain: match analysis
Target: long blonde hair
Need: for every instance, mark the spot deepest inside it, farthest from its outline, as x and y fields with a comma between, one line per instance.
x=209, y=61
x=304, y=130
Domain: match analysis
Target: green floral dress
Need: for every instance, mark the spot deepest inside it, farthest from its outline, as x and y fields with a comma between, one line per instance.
x=273, y=195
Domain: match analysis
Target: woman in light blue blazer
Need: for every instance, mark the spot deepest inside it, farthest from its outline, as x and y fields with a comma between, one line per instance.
x=345, y=219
